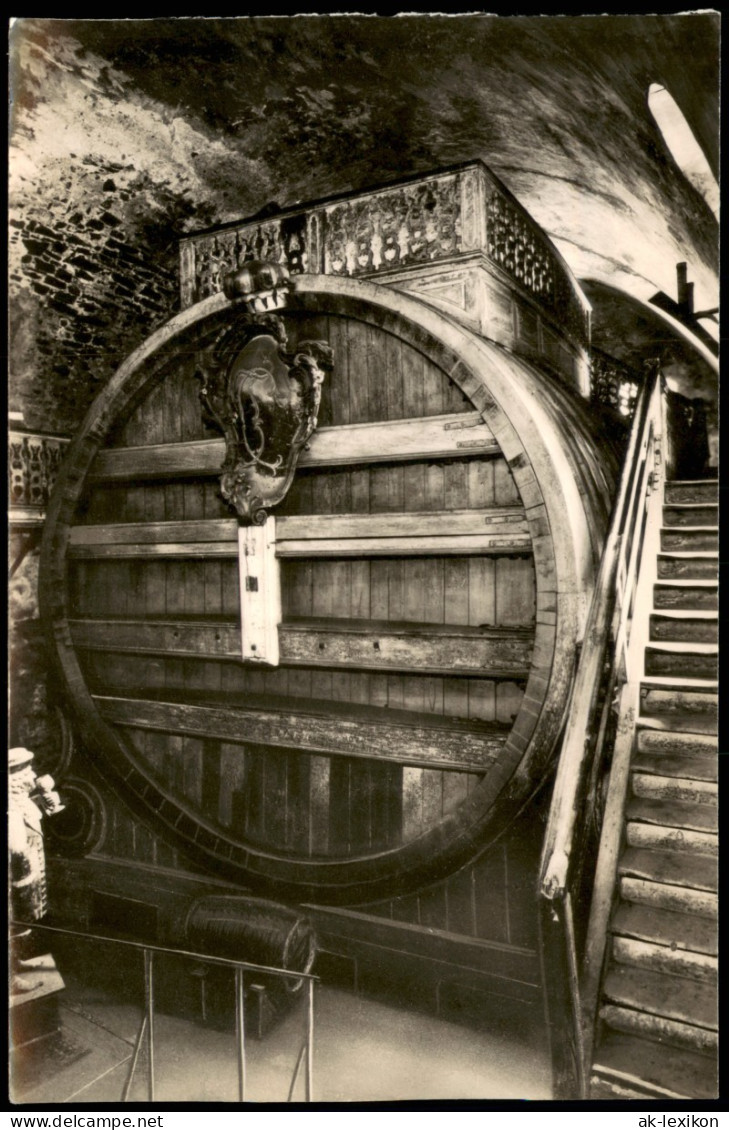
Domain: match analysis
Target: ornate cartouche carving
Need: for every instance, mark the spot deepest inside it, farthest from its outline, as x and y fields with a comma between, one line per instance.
x=265, y=400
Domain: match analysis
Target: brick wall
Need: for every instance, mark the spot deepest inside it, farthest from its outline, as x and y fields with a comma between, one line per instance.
x=86, y=288
x=101, y=186
x=103, y=182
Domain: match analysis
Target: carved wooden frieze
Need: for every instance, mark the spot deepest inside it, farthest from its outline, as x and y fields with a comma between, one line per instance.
x=265, y=400
x=284, y=242
x=436, y=219
x=378, y=231
x=416, y=223
x=33, y=462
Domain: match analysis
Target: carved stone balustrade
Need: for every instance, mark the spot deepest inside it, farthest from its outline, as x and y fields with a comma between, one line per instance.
x=33, y=462
x=457, y=238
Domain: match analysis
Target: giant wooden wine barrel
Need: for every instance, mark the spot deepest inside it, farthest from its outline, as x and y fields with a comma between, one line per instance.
x=436, y=550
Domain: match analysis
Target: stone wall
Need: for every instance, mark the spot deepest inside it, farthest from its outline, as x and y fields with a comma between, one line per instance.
x=103, y=180
x=85, y=293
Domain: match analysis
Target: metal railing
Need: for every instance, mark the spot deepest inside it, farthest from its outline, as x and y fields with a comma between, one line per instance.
x=582, y=840
x=240, y=968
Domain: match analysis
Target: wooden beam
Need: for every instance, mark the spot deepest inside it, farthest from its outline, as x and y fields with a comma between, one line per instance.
x=428, y=533
x=192, y=459
x=114, y=550
x=260, y=593
x=375, y=733
x=421, y=524
x=26, y=517
x=202, y=538
x=425, y=533
x=432, y=649
x=157, y=533
x=474, y=545
x=427, y=437
x=471, y=955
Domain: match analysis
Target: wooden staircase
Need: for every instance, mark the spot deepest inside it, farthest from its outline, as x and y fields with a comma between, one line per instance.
x=657, y=1021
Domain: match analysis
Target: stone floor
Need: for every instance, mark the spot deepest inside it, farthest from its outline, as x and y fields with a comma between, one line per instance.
x=364, y=1050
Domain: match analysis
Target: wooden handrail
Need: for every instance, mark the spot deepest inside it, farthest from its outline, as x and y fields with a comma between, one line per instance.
x=607, y=664
x=573, y=762
x=631, y=637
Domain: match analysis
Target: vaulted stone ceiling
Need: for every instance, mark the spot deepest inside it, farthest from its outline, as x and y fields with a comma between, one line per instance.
x=556, y=106
x=330, y=103
x=245, y=68
x=200, y=121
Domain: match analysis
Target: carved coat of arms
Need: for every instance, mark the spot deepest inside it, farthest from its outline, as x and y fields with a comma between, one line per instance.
x=265, y=400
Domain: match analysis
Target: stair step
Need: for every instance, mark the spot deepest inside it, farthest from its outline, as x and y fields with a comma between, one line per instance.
x=679, y=723
x=694, y=767
x=610, y=1090
x=676, y=1032
x=654, y=786
x=666, y=928
x=664, y=896
x=691, y=595
x=690, y=514
x=673, y=814
x=664, y=959
x=674, y=742
x=688, y=647
x=662, y=697
x=693, y=661
x=687, y=491
x=663, y=995
x=689, y=541
x=663, y=837
x=684, y=627
x=676, y=684
x=659, y=994
x=674, y=868
x=687, y=566
x=672, y=1072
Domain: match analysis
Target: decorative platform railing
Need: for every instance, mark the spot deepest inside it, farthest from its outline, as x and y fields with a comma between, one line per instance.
x=613, y=383
x=33, y=462
x=433, y=219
